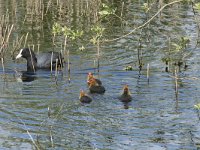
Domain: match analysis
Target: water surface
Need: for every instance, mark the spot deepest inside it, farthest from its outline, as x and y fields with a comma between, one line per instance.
x=50, y=114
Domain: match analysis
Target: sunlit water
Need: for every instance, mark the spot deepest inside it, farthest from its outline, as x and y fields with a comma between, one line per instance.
x=48, y=114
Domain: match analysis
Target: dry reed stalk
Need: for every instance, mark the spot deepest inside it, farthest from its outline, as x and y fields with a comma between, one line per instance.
x=49, y=112
x=27, y=131
x=5, y=40
x=48, y=5
x=51, y=137
x=2, y=62
x=98, y=54
x=51, y=62
x=176, y=81
x=17, y=44
x=38, y=48
x=60, y=58
x=94, y=63
x=33, y=47
x=26, y=39
x=68, y=61
x=148, y=73
x=122, y=10
x=56, y=72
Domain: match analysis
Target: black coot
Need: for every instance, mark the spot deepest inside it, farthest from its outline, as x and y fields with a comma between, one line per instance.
x=40, y=61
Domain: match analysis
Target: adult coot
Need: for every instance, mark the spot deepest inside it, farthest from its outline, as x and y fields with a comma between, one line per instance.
x=40, y=61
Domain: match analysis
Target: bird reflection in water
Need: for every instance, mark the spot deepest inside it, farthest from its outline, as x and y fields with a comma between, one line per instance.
x=25, y=76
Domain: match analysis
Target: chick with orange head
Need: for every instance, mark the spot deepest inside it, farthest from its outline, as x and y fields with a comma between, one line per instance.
x=84, y=98
x=94, y=87
x=126, y=96
x=91, y=76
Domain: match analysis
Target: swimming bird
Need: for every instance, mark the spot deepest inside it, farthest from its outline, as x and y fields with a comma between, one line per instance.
x=84, y=98
x=91, y=76
x=40, y=61
x=94, y=87
x=126, y=96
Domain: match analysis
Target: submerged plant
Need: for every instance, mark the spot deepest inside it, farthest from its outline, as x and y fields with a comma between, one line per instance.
x=128, y=68
x=197, y=106
x=197, y=6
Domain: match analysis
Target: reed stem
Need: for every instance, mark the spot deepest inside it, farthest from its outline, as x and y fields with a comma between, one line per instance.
x=56, y=72
x=148, y=73
x=51, y=62
x=2, y=61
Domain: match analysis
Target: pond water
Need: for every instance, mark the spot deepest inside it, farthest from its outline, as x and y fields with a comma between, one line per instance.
x=43, y=114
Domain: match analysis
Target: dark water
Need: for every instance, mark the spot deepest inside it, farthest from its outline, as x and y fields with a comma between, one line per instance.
x=156, y=118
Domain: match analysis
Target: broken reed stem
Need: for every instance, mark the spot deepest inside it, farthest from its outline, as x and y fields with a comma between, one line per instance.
x=68, y=67
x=54, y=36
x=56, y=72
x=94, y=64
x=68, y=62
x=2, y=61
x=38, y=47
x=34, y=143
x=42, y=12
x=51, y=137
x=32, y=140
x=48, y=5
x=51, y=62
x=9, y=33
x=176, y=82
x=98, y=54
x=122, y=10
x=49, y=112
x=148, y=73
x=17, y=45
x=61, y=59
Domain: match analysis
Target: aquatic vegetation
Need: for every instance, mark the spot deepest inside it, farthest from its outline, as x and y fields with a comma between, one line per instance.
x=128, y=68
x=197, y=6
x=97, y=35
x=197, y=106
x=106, y=10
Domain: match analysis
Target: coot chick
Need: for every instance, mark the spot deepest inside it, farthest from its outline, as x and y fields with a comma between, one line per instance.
x=125, y=97
x=84, y=98
x=91, y=76
x=94, y=87
x=40, y=61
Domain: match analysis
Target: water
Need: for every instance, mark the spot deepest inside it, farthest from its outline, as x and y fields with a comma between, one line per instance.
x=47, y=115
